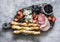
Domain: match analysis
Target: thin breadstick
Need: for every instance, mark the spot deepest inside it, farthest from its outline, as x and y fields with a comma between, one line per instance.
x=32, y=24
x=26, y=32
x=16, y=23
x=23, y=24
x=25, y=28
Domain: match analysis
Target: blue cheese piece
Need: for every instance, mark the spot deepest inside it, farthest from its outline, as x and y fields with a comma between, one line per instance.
x=29, y=18
x=27, y=12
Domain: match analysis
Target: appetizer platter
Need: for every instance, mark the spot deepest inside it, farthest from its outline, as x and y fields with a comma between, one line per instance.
x=32, y=20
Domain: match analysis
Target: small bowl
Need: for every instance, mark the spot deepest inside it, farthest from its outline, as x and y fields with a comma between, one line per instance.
x=47, y=8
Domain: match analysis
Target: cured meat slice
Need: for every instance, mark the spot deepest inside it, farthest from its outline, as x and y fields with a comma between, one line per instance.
x=45, y=26
x=41, y=18
x=43, y=22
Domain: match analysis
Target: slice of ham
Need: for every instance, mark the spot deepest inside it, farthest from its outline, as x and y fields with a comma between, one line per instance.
x=45, y=26
x=41, y=18
x=43, y=22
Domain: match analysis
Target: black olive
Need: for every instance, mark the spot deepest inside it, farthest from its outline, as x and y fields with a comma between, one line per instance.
x=6, y=26
x=36, y=9
x=34, y=6
x=48, y=8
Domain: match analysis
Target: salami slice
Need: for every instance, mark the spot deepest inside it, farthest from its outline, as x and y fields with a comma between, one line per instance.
x=43, y=22
x=41, y=18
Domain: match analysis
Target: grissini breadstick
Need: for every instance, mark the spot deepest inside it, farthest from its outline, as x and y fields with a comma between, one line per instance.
x=23, y=24
x=16, y=23
x=26, y=32
x=25, y=28
x=32, y=24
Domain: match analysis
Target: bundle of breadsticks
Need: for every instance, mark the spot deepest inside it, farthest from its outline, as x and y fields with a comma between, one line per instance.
x=25, y=28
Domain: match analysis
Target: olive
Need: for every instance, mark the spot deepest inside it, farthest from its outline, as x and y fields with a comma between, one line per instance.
x=36, y=9
x=48, y=8
x=34, y=6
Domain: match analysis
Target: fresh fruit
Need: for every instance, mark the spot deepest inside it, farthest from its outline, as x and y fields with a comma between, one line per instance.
x=49, y=18
x=22, y=19
x=16, y=19
x=34, y=21
x=20, y=11
x=53, y=19
x=20, y=14
x=36, y=17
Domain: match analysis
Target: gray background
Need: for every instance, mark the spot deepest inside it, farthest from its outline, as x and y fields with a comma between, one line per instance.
x=8, y=9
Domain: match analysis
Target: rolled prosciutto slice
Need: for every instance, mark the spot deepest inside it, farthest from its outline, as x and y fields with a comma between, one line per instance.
x=43, y=22
x=41, y=18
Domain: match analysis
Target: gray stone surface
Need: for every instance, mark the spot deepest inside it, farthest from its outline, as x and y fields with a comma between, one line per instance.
x=8, y=10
